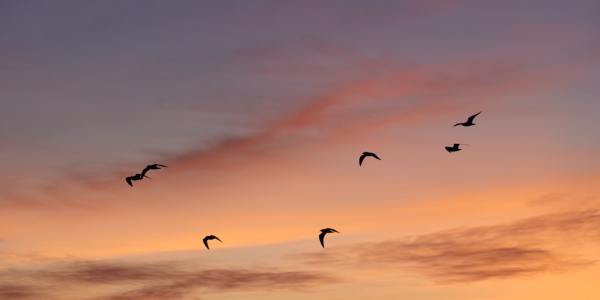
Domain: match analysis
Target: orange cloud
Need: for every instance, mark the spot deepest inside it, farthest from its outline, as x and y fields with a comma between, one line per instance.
x=20, y=291
x=150, y=280
x=479, y=253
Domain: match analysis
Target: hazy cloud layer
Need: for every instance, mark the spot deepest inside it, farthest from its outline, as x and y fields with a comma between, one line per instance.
x=167, y=280
x=470, y=254
x=224, y=281
x=19, y=291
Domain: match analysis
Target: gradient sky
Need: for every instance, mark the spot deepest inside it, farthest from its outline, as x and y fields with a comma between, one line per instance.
x=260, y=109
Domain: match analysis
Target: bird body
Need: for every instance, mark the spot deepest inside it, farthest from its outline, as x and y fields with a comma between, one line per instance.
x=366, y=154
x=135, y=177
x=469, y=121
x=453, y=148
x=323, y=233
x=208, y=238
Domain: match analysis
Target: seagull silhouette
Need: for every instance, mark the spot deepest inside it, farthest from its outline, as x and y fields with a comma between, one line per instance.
x=469, y=121
x=135, y=177
x=323, y=233
x=454, y=148
x=152, y=167
x=364, y=155
x=208, y=238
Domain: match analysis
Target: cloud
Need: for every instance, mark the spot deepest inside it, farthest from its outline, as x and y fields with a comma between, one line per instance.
x=564, y=201
x=108, y=272
x=224, y=281
x=19, y=291
x=525, y=247
x=399, y=95
x=164, y=280
x=383, y=95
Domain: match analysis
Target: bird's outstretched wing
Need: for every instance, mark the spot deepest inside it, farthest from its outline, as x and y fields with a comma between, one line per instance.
x=366, y=154
x=217, y=238
x=205, y=240
x=334, y=230
x=472, y=118
x=361, y=158
x=162, y=166
x=146, y=169
x=128, y=180
x=321, y=238
x=458, y=124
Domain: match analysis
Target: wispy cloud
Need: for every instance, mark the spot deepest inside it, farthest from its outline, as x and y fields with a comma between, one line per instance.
x=382, y=95
x=471, y=254
x=399, y=95
x=165, y=280
x=19, y=291
x=224, y=281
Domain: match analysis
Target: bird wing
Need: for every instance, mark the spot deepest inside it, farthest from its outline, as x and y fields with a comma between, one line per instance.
x=375, y=155
x=334, y=230
x=146, y=169
x=163, y=166
x=361, y=158
x=471, y=118
x=217, y=238
x=205, y=240
x=128, y=180
x=458, y=124
x=449, y=149
x=321, y=238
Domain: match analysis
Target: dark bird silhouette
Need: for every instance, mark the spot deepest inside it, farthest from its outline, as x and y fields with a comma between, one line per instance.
x=208, y=238
x=469, y=121
x=323, y=233
x=454, y=148
x=131, y=179
x=366, y=154
x=152, y=167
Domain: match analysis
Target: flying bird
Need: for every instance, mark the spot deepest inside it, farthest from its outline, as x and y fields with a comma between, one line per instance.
x=366, y=154
x=208, y=238
x=152, y=167
x=454, y=148
x=135, y=177
x=469, y=121
x=323, y=233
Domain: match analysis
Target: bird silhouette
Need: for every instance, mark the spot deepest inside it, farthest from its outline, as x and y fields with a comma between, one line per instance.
x=469, y=121
x=323, y=233
x=131, y=179
x=208, y=238
x=152, y=167
x=454, y=148
x=366, y=154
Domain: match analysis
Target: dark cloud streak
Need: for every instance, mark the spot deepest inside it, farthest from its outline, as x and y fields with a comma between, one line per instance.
x=525, y=247
x=166, y=280
x=20, y=291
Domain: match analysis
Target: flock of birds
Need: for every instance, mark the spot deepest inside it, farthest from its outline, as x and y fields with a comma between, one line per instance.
x=454, y=148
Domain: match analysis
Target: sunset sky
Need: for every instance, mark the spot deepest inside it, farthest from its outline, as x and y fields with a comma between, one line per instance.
x=260, y=109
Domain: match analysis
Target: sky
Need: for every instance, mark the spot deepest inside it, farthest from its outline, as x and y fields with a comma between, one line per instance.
x=260, y=110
